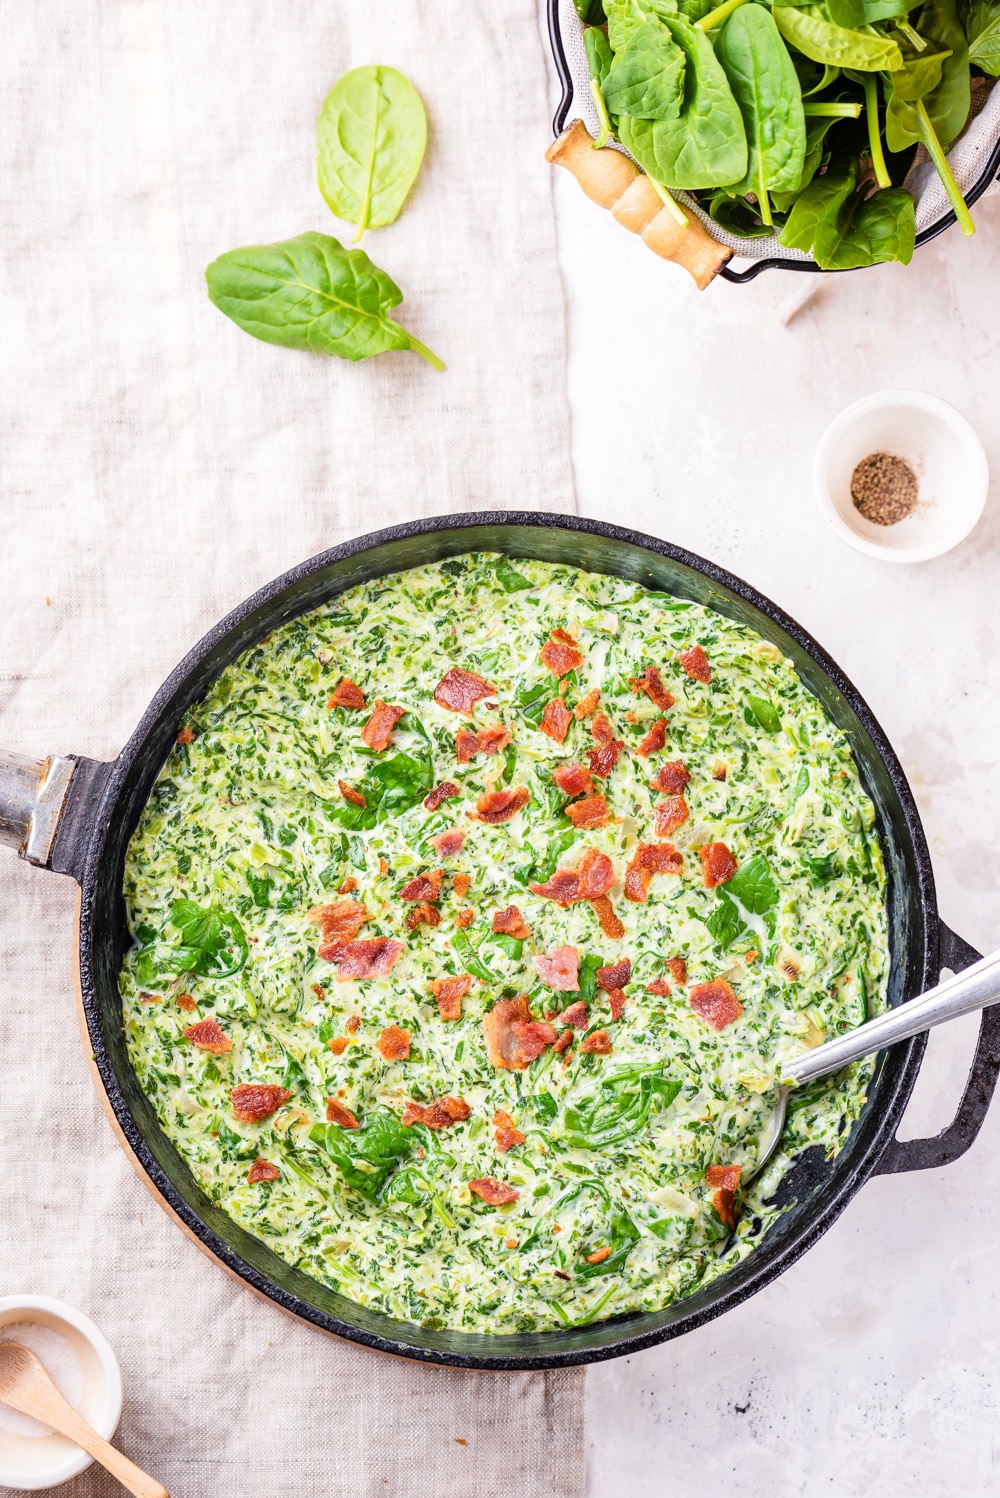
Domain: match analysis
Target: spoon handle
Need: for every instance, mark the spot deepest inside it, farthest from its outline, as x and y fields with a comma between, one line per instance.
x=48, y=1405
x=976, y=988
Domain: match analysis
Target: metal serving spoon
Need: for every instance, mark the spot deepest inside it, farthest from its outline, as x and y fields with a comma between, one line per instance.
x=976, y=988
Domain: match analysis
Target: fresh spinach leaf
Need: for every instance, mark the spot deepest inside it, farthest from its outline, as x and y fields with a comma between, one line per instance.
x=470, y=960
x=591, y=12
x=626, y=16
x=982, y=29
x=587, y=977
x=843, y=228
x=507, y=574
x=815, y=35
x=646, y=78
x=948, y=102
x=621, y=1235
x=620, y=1109
x=822, y=869
x=599, y=55
x=737, y=216
x=532, y=700
x=725, y=924
x=213, y=943
x=390, y=787
x=370, y=138
x=753, y=885
x=759, y=710
x=367, y=1156
x=766, y=88
x=310, y=293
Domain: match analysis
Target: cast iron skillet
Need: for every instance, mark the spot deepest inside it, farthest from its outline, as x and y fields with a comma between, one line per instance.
x=84, y=832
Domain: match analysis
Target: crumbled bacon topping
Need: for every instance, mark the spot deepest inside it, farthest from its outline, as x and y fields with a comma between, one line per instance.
x=560, y=969
x=575, y=1015
x=654, y=740
x=556, y=720
x=489, y=740
x=352, y=1024
x=651, y=683
x=695, y=663
x=560, y=654
x=440, y=1115
x=374, y=958
x=208, y=1035
x=337, y=1114
x=659, y=986
x=670, y=814
x=717, y=864
x=601, y=729
x=461, y=884
x=253, y=1101
x=647, y=860
x=449, y=993
x=715, y=1003
x=447, y=844
x=588, y=704
x=356, y=798
x=603, y=759
x=343, y=919
x=513, y=1038
x=616, y=1000
x=492, y=1191
x=564, y=1042
x=607, y=919
x=573, y=779
x=511, y=923
x=424, y=914
x=378, y=730
x=347, y=694
x=598, y=1043
x=672, y=778
x=594, y=877
x=185, y=1001
x=442, y=792
x=590, y=811
x=507, y=1133
x=460, y=690
x=465, y=917
x=262, y=1170
x=499, y=806
x=679, y=968
x=617, y=976
x=186, y=736
x=423, y=886
x=394, y=1044
x=726, y=1180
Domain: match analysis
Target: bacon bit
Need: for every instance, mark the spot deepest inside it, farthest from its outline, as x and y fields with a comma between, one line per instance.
x=353, y=1024
x=378, y=730
x=262, y=1170
x=489, y=740
x=715, y=1003
x=560, y=654
x=695, y=663
x=597, y=1044
x=575, y=1015
x=383, y=867
x=719, y=771
x=679, y=968
x=599, y=1256
x=394, y=1044
x=750, y=957
x=186, y=736
x=511, y=923
x=336, y=1113
x=507, y=1134
x=348, y=885
x=461, y=884
x=659, y=986
x=647, y=860
x=423, y=886
x=492, y=1191
x=565, y=1040
x=465, y=917
x=632, y=718
x=320, y=992
x=587, y=704
x=602, y=730
x=556, y=720
x=424, y=914
x=507, y=1243
x=607, y=920
x=727, y=1179
x=672, y=778
x=466, y=746
x=513, y=1038
x=350, y=794
x=593, y=878
x=563, y=887
x=499, y=806
x=343, y=919
x=447, y=844
x=460, y=690
x=560, y=969
x=253, y=1101
x=603, y=759
x=185, y=1001
x=207, y=1035
x=616, y=998
x=442, y=792
x=449, y=993
x=670, y=815
x=374, y=958
x=717, y=864
x=655, y=739
x=651, y=683
x=591, y=811
x=573, y=779
x=347, y=693
x=440, y=1115
x=338, y=1045
x=617, y=976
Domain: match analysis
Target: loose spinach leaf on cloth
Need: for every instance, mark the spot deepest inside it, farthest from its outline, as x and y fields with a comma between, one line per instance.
x=705, y=145
x=815, y=35
x=311, y=293
x=367, y=1156
x=842, y=228
x=371, y=137
x=646, y=78
x=766, y=88
x=981, y=19
x=753, y=885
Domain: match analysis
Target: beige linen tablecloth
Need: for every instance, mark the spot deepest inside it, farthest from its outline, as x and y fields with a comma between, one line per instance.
x=156, y=466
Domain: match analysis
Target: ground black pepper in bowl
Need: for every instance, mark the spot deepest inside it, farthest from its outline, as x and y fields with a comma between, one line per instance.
x=884, y=488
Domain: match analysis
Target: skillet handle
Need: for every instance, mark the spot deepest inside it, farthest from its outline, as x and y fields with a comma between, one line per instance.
x=46, y=807
x=926, y=1154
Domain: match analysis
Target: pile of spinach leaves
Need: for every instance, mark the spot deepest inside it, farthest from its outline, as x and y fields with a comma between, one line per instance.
x=793, y=118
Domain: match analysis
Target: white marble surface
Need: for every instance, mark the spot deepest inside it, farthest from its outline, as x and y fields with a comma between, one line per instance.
x=874, y=1361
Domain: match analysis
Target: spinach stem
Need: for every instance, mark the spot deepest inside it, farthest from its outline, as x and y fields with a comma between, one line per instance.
x=602, y=115
x=763, y=201
x=425, y=353
x=870, y=83
x=834, y=111
x=718, y=15
x=672, y=206
x=913, y=37
x=936, y=152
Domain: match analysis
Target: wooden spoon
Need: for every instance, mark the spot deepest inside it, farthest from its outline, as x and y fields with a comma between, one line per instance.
x=26, y=1386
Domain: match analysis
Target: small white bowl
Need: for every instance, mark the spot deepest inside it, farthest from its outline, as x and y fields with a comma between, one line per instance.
x=941, y=448
x=43, y=1461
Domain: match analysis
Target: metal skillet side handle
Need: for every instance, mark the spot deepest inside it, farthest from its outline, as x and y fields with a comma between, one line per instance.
x=46, y=808
x=953, y=1141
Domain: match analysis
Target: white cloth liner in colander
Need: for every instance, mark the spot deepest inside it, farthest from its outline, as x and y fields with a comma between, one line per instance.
x=967, y=156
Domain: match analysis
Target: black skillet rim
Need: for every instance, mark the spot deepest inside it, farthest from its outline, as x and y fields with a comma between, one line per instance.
x=628, y=1342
